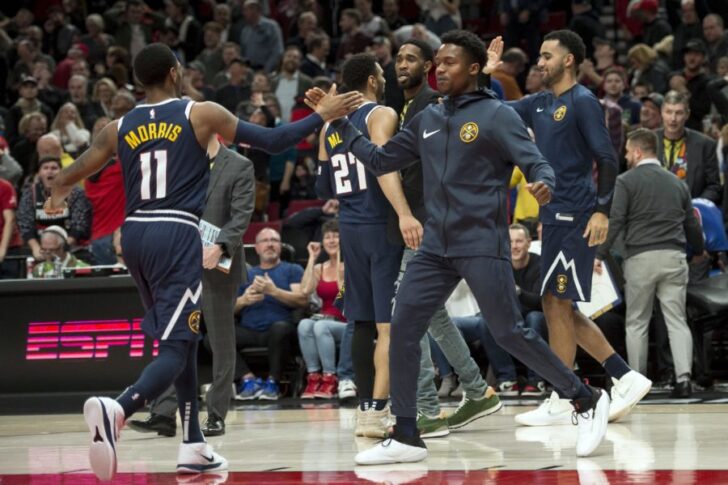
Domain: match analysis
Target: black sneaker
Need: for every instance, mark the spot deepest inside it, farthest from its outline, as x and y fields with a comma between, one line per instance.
x=214, y=426
x=163, y=425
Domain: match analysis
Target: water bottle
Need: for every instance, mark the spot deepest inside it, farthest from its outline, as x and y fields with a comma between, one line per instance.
x=29, y=263
x=57, y=267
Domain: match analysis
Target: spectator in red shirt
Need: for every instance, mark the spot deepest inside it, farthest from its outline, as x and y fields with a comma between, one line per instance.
x=9, y=236
x=105, y=191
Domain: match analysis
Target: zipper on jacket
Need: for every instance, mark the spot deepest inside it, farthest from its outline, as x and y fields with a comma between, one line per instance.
x=444, y=190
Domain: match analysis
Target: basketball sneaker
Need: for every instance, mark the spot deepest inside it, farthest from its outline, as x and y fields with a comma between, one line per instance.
x=329, y=386
x=432, y=427
x=591, y=414
x=534, y=389
x=552, y=412
x=313, y=382
x=626, y=392
x=471, y=409
x=396, y=449
x=377, y=423
x=251, y=388
x=347, y=389
x=271, y=391
x=199, y=458
x=104, y=418
x=508, y=388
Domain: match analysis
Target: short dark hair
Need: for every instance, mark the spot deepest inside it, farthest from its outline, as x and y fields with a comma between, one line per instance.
x=353, y=14
x=315, y=41
x=425, y=49
x=571, y=41
x=152, y=64
x=357, y=69
x=645, y=139
x=470, y=43
x=330, y=226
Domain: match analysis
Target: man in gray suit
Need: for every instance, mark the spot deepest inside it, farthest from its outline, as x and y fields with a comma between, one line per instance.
x=229, y=205
x=687, y=153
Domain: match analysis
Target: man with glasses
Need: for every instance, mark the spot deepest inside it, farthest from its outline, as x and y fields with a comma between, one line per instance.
x=265, y=307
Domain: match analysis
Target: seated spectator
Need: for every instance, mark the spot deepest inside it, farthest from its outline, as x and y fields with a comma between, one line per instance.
x=655, y=211
x=48, y=94
x=78, y=95
x=647, y=67
x=122, y=102
x=10, y=240
x=56, y=255
x=32, y=219
x=639, y=89
x=236, y=90
x=10, y=169
x=260, y=83
x=31, y=128
x=266, y=304
x=103, y=93
x=68, y=127
x=688, y=153
x=319, y=335
x=27, y=103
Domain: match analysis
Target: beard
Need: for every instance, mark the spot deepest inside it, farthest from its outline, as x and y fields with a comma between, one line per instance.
x=550, y=79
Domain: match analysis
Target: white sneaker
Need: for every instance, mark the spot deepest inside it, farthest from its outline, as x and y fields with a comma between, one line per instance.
x=393, y=451
x=626, y=392
x=104, y=418
x=347, y=389
x=199, y=458
x=592, y=424
x=552, y=412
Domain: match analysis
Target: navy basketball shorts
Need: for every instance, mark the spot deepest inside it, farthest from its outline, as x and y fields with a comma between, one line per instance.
x=371, y=268
x=165, y=260
x=567, y=261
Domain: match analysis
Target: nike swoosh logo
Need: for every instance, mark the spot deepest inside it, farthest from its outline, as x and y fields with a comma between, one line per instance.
x=208, y=458
x=427, y=135
x=538, y=110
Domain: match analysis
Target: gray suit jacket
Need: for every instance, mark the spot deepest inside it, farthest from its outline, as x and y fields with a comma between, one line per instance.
x=229, y=205
x=703, y=176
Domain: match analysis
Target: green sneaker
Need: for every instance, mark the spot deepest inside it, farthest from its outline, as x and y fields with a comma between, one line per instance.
x=471, y=409
x=432, y=427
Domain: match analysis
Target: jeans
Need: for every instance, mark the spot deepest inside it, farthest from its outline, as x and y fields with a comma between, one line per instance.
x=503, y=367
x=345, y=369
x=472, y=330
x=102, y=249
x=318, y=339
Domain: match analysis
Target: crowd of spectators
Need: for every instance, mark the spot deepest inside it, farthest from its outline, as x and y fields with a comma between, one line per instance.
x=66, y=72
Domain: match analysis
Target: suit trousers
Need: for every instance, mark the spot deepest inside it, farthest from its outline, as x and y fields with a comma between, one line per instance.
x=426, y=285
x=662, y=273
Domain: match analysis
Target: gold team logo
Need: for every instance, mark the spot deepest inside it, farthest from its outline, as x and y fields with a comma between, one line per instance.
x=194, y=321
x=469, y=132
x=560, y=113
x=561, y=282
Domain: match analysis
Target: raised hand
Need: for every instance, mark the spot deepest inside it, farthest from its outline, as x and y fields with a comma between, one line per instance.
x=333, y=106
x=495, y=52
x=314, y=250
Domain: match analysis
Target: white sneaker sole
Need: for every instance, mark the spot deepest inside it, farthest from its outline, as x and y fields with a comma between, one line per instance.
x=598, y=430
x=436, y=434
x=369, y=457
x=210, y=468
x=636, y=397
x=528, y=419
x=102, y=451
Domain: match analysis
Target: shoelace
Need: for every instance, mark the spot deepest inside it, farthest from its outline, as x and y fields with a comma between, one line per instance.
x=462, y=403
x=575, y=416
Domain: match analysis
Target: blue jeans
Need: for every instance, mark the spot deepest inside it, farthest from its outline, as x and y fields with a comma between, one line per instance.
x=345, y=369
x=318, y=339
x=102, y=249
x=472, y=330
x=504, y=368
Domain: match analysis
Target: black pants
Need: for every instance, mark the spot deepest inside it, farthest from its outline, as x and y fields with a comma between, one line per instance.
x=427, y=283
x=278, y=340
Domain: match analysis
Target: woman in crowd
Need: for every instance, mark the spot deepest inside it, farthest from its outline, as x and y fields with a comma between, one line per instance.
x=104, y=91
x=69, y=128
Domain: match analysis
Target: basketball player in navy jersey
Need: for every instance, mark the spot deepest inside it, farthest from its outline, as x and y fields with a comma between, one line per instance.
x=571, y=132
x=162, y=148
x=372, y=262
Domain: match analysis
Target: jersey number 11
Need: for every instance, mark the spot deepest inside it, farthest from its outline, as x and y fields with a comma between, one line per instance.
x=160, y=156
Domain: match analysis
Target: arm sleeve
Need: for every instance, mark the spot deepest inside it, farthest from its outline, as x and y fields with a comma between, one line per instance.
x=399, y=152
x=617, y=217
x=280, y=138
x=516, y=145
x=593, y=127
x=323, y=181
x=693, y=230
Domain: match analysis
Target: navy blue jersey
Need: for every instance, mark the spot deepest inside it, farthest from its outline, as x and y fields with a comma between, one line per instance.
x=571, y=133
x=164, y=166
x=361, y=200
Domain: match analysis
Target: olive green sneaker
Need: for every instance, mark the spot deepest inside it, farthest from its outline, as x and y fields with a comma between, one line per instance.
x=471, y=409
x=432, y=427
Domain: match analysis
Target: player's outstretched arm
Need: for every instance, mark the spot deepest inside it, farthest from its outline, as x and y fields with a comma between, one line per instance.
x=91, y=161
x=210, y=118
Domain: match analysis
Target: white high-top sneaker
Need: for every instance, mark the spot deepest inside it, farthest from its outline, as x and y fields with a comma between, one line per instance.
x=104, y=418
x=552, y=412
x=626, y=392
x=199, y=458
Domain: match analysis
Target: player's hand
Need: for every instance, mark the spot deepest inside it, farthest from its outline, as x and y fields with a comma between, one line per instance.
x=314, y=250
x=333, y=106
x=597, y=229
x=211, y=256
x=598, y=266
x=314, y=95
x=495, y=51
x=540, y=191
x=411, y=231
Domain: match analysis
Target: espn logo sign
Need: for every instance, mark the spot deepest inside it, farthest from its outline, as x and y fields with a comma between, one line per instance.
x=86, y=339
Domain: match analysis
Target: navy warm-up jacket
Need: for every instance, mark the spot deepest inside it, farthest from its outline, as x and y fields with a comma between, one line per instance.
x=468, y=146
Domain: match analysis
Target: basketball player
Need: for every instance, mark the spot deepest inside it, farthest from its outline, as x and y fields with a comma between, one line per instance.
x=467, y=146
x=571, y=132
x=371, y=261
x=162, y=147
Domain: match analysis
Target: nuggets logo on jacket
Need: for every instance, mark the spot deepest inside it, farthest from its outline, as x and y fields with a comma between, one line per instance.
x=469, y=132
x=561, y=282
x=560, y=113
x=194, y=321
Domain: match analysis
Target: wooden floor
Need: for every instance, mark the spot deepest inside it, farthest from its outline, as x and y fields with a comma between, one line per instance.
x=681, y=444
